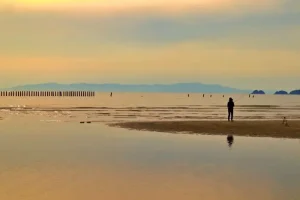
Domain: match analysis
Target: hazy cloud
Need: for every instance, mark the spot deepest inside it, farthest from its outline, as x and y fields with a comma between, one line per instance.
x=121, y=46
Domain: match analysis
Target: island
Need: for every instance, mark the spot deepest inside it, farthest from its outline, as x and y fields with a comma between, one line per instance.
x=295, y=92
x=281, y=92
x=258, y=92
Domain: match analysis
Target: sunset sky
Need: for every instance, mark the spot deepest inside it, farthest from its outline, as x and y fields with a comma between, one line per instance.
x=246, y=44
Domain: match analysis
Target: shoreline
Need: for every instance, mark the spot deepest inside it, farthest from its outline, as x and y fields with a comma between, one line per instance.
x=266, y=128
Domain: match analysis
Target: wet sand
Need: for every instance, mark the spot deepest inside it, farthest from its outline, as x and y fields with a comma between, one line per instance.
x=273, y=128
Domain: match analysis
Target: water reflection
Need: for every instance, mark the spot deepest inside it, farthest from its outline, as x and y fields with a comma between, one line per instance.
x=130, y=106
x=43, y=161
x=230, y=140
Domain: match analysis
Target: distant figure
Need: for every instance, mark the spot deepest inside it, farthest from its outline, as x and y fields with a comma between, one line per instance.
x=230, y=106
x=253, y=96
x=210, y=95
x=203, y=95
x=188, y=95
x=111, y=94
x=249, y=95
x=223, y=96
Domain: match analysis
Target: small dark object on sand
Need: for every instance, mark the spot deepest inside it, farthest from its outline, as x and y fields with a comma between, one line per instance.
x=89, y=122
x=285, y=122
x=81, y=122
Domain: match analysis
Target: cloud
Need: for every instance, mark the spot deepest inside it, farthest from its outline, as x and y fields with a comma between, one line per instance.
x=175, y=60
x=122, y=46
x=185, y=62
x=59, y=35
x=141, y=6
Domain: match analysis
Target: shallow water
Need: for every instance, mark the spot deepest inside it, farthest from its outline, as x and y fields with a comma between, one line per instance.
x=49, y=160
x=151, y=106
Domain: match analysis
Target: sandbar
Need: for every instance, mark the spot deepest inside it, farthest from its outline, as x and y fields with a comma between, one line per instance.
x=273, y=128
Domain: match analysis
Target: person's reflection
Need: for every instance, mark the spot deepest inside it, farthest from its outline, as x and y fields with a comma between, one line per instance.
x=230, y=140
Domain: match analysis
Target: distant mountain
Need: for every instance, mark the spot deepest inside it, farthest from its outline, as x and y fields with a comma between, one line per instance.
x=281, y=92
x=258, y=92
x=295, y=92
x=176, y=88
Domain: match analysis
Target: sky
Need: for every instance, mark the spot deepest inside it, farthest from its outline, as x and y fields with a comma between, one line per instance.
x=245, y=44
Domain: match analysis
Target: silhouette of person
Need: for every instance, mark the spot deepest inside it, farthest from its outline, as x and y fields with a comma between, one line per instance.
x=188, y=95
x=230, y=106
x=111, y=94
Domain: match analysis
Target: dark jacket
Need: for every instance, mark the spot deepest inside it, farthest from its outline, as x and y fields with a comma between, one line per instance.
x=230, y=105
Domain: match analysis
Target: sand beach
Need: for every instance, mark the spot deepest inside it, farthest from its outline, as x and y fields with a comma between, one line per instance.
x=273, y=128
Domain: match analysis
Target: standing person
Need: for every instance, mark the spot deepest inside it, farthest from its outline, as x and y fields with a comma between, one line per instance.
x=111, y=94
x=230, y=106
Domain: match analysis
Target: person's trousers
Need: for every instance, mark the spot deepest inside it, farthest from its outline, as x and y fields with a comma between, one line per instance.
x=230, y=114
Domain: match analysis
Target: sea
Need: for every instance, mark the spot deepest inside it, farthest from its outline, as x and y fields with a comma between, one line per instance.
x=152, y=106
x=46, y=154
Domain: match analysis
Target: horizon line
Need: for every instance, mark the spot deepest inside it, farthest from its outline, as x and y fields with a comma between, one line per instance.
x=143, y=84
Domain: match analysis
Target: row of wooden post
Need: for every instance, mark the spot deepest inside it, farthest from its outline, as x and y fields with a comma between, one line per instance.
x=47, y=93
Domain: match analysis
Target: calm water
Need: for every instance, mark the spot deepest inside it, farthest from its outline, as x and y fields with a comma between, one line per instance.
x=46, y=154
x=149, y=106
x=42, y=160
